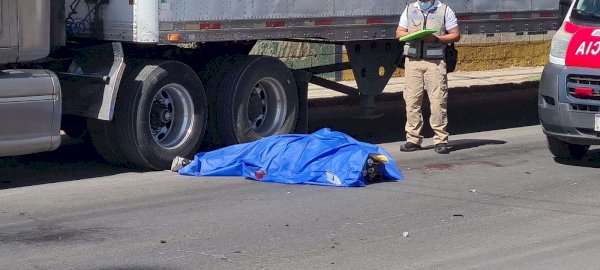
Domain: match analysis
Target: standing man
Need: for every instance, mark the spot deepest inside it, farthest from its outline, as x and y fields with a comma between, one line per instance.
x=425, y=70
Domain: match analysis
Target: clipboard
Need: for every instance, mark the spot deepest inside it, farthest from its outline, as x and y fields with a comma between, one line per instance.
x=417, y=35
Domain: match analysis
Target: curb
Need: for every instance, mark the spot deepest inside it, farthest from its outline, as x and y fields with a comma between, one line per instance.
x=454, y=91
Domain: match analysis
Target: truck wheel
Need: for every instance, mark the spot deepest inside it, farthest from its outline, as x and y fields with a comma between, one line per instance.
x=564, y=150
x=212, y=76
x=160, y=114
x=257, y=98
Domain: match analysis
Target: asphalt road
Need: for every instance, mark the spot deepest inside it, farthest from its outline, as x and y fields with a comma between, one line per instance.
x=498, y=201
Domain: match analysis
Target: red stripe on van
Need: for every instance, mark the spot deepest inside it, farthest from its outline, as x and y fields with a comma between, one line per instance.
x=571, y=27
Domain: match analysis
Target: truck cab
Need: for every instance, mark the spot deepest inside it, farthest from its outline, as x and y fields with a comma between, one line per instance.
x=569, y=93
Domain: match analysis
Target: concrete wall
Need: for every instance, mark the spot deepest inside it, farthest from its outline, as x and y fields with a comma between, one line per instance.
x=299, y=55
x=476, y=52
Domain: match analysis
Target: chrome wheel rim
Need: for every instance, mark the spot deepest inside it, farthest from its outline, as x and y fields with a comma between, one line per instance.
x=171, y=116
x=266, y=107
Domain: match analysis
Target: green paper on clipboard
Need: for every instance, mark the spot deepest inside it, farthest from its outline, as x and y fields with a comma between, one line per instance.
x=417, y=35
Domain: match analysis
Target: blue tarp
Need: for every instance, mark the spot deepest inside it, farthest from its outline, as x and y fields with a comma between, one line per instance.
x=325, y=158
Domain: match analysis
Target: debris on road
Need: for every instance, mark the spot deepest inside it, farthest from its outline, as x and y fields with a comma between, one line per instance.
x=405, y=234
x=178, y=163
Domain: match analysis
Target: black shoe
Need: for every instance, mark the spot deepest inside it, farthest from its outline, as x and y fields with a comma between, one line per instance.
x=442, y=148
x=410, y=147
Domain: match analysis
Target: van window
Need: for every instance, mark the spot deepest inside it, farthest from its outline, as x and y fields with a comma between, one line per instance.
x=587, y=10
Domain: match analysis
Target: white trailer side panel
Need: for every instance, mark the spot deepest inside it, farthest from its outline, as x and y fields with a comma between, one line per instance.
x=211, y=10
x=146, y=21
x=152, y=21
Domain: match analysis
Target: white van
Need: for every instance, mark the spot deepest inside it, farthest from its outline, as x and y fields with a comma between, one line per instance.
x=569, y=93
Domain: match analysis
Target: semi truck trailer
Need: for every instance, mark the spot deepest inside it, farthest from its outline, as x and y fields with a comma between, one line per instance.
x=145, y=81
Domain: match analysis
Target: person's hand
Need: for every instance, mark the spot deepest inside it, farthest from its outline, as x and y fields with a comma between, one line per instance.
x=431, y=39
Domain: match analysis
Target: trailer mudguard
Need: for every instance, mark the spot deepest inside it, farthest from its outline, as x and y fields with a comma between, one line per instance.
x=92, y=82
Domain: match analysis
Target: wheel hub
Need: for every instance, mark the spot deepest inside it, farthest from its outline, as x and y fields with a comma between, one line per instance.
x=265, y=107
x=166, y=116
x=256, y=107
x=171, y=116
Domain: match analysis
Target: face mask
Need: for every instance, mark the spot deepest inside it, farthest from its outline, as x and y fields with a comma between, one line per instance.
x=425, y=5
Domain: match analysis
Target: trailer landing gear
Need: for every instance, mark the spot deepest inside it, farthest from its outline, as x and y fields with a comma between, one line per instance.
x=373, y=63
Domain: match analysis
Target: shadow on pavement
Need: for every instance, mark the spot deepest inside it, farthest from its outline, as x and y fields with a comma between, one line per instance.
x=474, y=109
x=458, y=145
x=136, y=268
x=591, y=160
x=73, y=161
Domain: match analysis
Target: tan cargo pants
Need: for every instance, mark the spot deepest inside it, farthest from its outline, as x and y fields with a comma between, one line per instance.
x=426, y=75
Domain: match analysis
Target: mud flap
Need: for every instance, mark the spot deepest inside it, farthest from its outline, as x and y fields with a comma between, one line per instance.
x=91, y=84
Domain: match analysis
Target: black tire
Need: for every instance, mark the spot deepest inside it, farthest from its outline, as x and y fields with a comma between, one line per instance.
x=564, y=150
x=257, y=98
x=74, y=126
x=160, y=114
x=212, y=75
x=103, y=136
